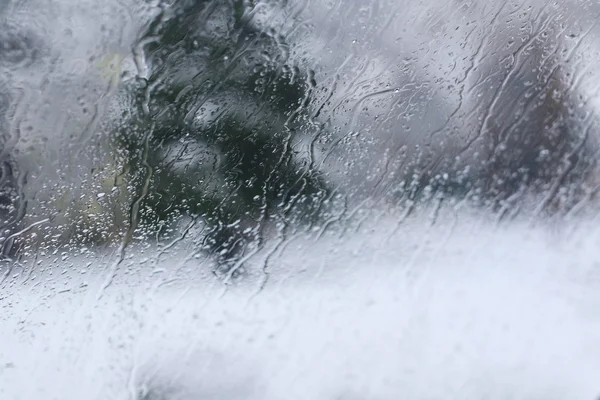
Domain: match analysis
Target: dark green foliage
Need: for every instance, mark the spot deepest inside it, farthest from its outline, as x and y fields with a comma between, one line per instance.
x=218, y=119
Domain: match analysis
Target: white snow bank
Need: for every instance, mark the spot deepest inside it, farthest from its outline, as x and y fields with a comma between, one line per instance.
x=461, y=309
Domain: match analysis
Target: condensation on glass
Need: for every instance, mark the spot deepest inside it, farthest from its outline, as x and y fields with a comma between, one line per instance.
x=291, y=199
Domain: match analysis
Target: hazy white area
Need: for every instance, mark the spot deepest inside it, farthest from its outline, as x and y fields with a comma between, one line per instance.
x=465, y=309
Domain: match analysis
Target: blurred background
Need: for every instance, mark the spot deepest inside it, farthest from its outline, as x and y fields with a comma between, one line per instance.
x=375, y=172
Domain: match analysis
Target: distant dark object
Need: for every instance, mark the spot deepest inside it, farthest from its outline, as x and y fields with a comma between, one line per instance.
x=17, y=48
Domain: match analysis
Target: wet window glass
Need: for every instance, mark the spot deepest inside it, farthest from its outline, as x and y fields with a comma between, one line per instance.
x=299, y=199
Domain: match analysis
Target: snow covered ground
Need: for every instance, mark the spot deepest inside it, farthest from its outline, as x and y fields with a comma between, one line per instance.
x=461, y=309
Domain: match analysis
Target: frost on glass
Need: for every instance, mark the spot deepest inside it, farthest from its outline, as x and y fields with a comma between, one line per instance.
x=291, y=199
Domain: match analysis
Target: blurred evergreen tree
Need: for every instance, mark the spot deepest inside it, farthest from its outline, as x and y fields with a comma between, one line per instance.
x=216, y=125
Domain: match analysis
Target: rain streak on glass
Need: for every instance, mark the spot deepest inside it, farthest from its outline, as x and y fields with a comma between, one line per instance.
x=292, y=199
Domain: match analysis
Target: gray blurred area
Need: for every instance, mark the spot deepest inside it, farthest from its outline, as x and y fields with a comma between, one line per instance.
x=401, y=194
x=291, y=112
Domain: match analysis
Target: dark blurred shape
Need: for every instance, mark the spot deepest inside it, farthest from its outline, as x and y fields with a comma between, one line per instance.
x=222, y=138
x=18, y=48
x=8, y=184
